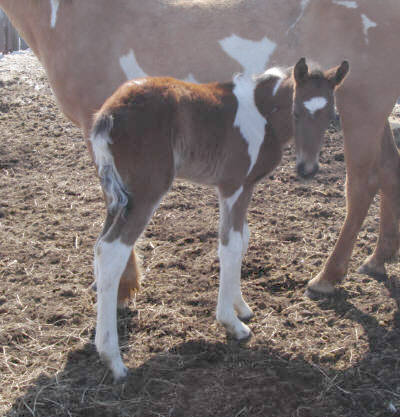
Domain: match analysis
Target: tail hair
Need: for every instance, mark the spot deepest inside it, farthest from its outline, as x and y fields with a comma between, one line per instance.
x=116, y=193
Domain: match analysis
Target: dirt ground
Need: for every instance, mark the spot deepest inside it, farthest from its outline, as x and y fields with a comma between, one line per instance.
x=330, y=357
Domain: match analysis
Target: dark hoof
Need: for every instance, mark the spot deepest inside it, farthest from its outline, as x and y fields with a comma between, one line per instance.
x=316, y=295
x=93, y=286
x=373, y=273
x=246, y=319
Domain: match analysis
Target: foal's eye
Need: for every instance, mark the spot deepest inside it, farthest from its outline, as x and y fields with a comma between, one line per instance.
x=296, y=116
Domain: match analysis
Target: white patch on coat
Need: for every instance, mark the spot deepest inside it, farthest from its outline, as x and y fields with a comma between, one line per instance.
x=248, y=119
x=253, y=56
x=303, y=5
x=110, y=261
x=190, y=79
x=315, y=104
x=230, y=295
x=230, y=201
x=368, y=24
x=130, y=66
x=111, y=181
x=348, y=4
x=277, y=73
x=54, y=9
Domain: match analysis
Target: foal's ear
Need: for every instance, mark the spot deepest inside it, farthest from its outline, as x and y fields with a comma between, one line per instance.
x=300, y=71
x=338, y=74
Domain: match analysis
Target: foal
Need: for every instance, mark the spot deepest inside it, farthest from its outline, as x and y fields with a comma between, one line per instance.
x=227, y=135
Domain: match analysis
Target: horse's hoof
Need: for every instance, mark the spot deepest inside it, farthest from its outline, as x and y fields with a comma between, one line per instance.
x=316, y=295
x=378, y=273
x=246, y=319
x=120, y=375
x=93, y=286
x=317, y=288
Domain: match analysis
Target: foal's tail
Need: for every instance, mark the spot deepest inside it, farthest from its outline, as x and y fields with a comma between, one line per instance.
x=114, y=189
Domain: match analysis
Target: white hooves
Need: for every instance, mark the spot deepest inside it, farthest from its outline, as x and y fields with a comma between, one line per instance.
x=234, y=327
x=118, y=369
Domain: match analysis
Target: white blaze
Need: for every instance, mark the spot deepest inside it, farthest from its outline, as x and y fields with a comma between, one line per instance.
x=253, y=56
x=315, y=104
x=248, y=119
x=130, y=66
x=54, y=9
x=368, y=24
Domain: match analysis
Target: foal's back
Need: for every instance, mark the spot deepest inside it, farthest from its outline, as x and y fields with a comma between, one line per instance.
x=186, y=127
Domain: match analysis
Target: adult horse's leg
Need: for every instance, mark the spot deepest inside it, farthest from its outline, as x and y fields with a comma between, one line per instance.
x=362, y=126
x=389, y=182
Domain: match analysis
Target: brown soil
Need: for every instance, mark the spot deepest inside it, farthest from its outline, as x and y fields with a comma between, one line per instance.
x=330, y=357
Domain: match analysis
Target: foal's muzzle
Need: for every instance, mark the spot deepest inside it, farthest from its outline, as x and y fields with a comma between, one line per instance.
x=305, y=171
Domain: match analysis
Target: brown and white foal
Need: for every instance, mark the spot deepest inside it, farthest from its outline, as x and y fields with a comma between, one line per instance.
x=227, y=135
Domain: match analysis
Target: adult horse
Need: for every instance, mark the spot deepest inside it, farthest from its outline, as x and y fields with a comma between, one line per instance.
x=90, y=47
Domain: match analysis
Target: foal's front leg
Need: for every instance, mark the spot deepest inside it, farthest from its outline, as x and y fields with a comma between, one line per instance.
x=233, y=238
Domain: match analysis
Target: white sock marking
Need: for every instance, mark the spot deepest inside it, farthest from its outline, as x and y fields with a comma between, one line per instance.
x=110, y=262
x=130, y=66
x=248, y=119
x=251, y=55
x=315, y=104
x=230, y=295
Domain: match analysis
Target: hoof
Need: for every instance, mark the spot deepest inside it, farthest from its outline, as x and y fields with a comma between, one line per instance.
x=316, y=295
x=120, y=374
x=317, y=288
x=378, y=273
x=238, y=331
x=93, y=286
x=247, y=318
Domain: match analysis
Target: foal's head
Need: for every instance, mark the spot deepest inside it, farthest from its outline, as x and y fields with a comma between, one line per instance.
x=313, y=109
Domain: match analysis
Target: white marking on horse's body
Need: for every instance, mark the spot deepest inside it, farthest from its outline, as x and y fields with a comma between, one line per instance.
x=251, y=55
x=190, y=79
x=54, y=9
x=130, y=66
x=315, y=104
x=304, y=4
x=368, y=24
x=348, y=4
x=248, y=119
x=230, y=201
x=111, y=180
x=275, y=72
x=110, y=261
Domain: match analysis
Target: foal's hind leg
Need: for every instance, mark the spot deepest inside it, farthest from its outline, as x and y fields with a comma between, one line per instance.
x=232, y=245
x=389, y=240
